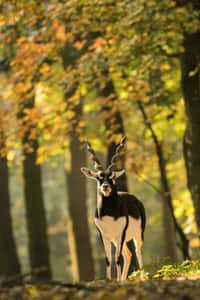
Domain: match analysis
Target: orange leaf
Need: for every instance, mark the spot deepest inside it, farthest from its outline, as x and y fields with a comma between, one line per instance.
x=99, y=42
x=79, y=44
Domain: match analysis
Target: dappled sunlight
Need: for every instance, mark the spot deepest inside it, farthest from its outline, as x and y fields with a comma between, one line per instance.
x=80, y=73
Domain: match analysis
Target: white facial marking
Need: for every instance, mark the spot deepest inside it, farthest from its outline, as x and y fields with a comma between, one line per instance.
x=105, y=192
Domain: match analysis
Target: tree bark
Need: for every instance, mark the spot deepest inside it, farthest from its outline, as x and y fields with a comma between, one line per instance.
x=9, y=261
x=169, y=232
x=168, y=212
x=34, y=204
x=36, y=218
x=82, y=259
x=78, y=229
x=190, y=62
x=170, y=223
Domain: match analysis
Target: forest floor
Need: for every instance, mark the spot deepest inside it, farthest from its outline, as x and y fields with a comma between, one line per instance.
x=180, y=282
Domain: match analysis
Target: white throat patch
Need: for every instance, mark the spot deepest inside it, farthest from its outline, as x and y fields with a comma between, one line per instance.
x=105, y=193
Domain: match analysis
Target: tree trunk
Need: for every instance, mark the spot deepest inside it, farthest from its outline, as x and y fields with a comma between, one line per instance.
x=191, y=90
x=169, y=232
x=9, y=262
x=35, y=216
x=78, y=229
x=168, y=212
x=167, y=197
x=114, y=126
x=82, y=259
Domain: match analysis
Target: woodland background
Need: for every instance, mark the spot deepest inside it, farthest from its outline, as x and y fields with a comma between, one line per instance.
x=96, y=70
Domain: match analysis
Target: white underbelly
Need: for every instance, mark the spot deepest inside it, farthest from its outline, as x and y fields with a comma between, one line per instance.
x=112, y=229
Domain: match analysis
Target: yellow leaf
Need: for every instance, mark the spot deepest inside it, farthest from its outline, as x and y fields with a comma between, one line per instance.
x=45, y=69
x=11, y=155
x=70, y=114
x=165, y=67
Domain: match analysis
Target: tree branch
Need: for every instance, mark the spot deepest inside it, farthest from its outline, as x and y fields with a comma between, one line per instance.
x=167, y=193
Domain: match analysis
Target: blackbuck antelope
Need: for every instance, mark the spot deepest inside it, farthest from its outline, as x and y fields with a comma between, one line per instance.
x=120, y=217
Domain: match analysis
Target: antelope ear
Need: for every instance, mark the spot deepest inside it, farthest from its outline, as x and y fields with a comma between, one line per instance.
x=88, y=173
x=119, y=173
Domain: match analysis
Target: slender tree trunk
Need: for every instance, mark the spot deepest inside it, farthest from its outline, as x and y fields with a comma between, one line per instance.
x=191, y=90
x=173, y=225
x=9, y=262
x=168, y=213
x=82, y=260
x=78, y=212
x=78, y=229
x=114, y=126
x=35, y=209
x=169, y=232
x=35, y=215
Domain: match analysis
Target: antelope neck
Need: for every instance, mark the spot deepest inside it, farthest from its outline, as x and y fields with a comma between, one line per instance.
x=108, y=206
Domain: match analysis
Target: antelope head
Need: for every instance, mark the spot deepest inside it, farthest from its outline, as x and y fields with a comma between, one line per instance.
x=106, y=178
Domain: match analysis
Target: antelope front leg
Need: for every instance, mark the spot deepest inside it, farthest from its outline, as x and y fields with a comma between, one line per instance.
x=107, y=249
x=118, y=267
x=118, y=258
x=126, y=253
